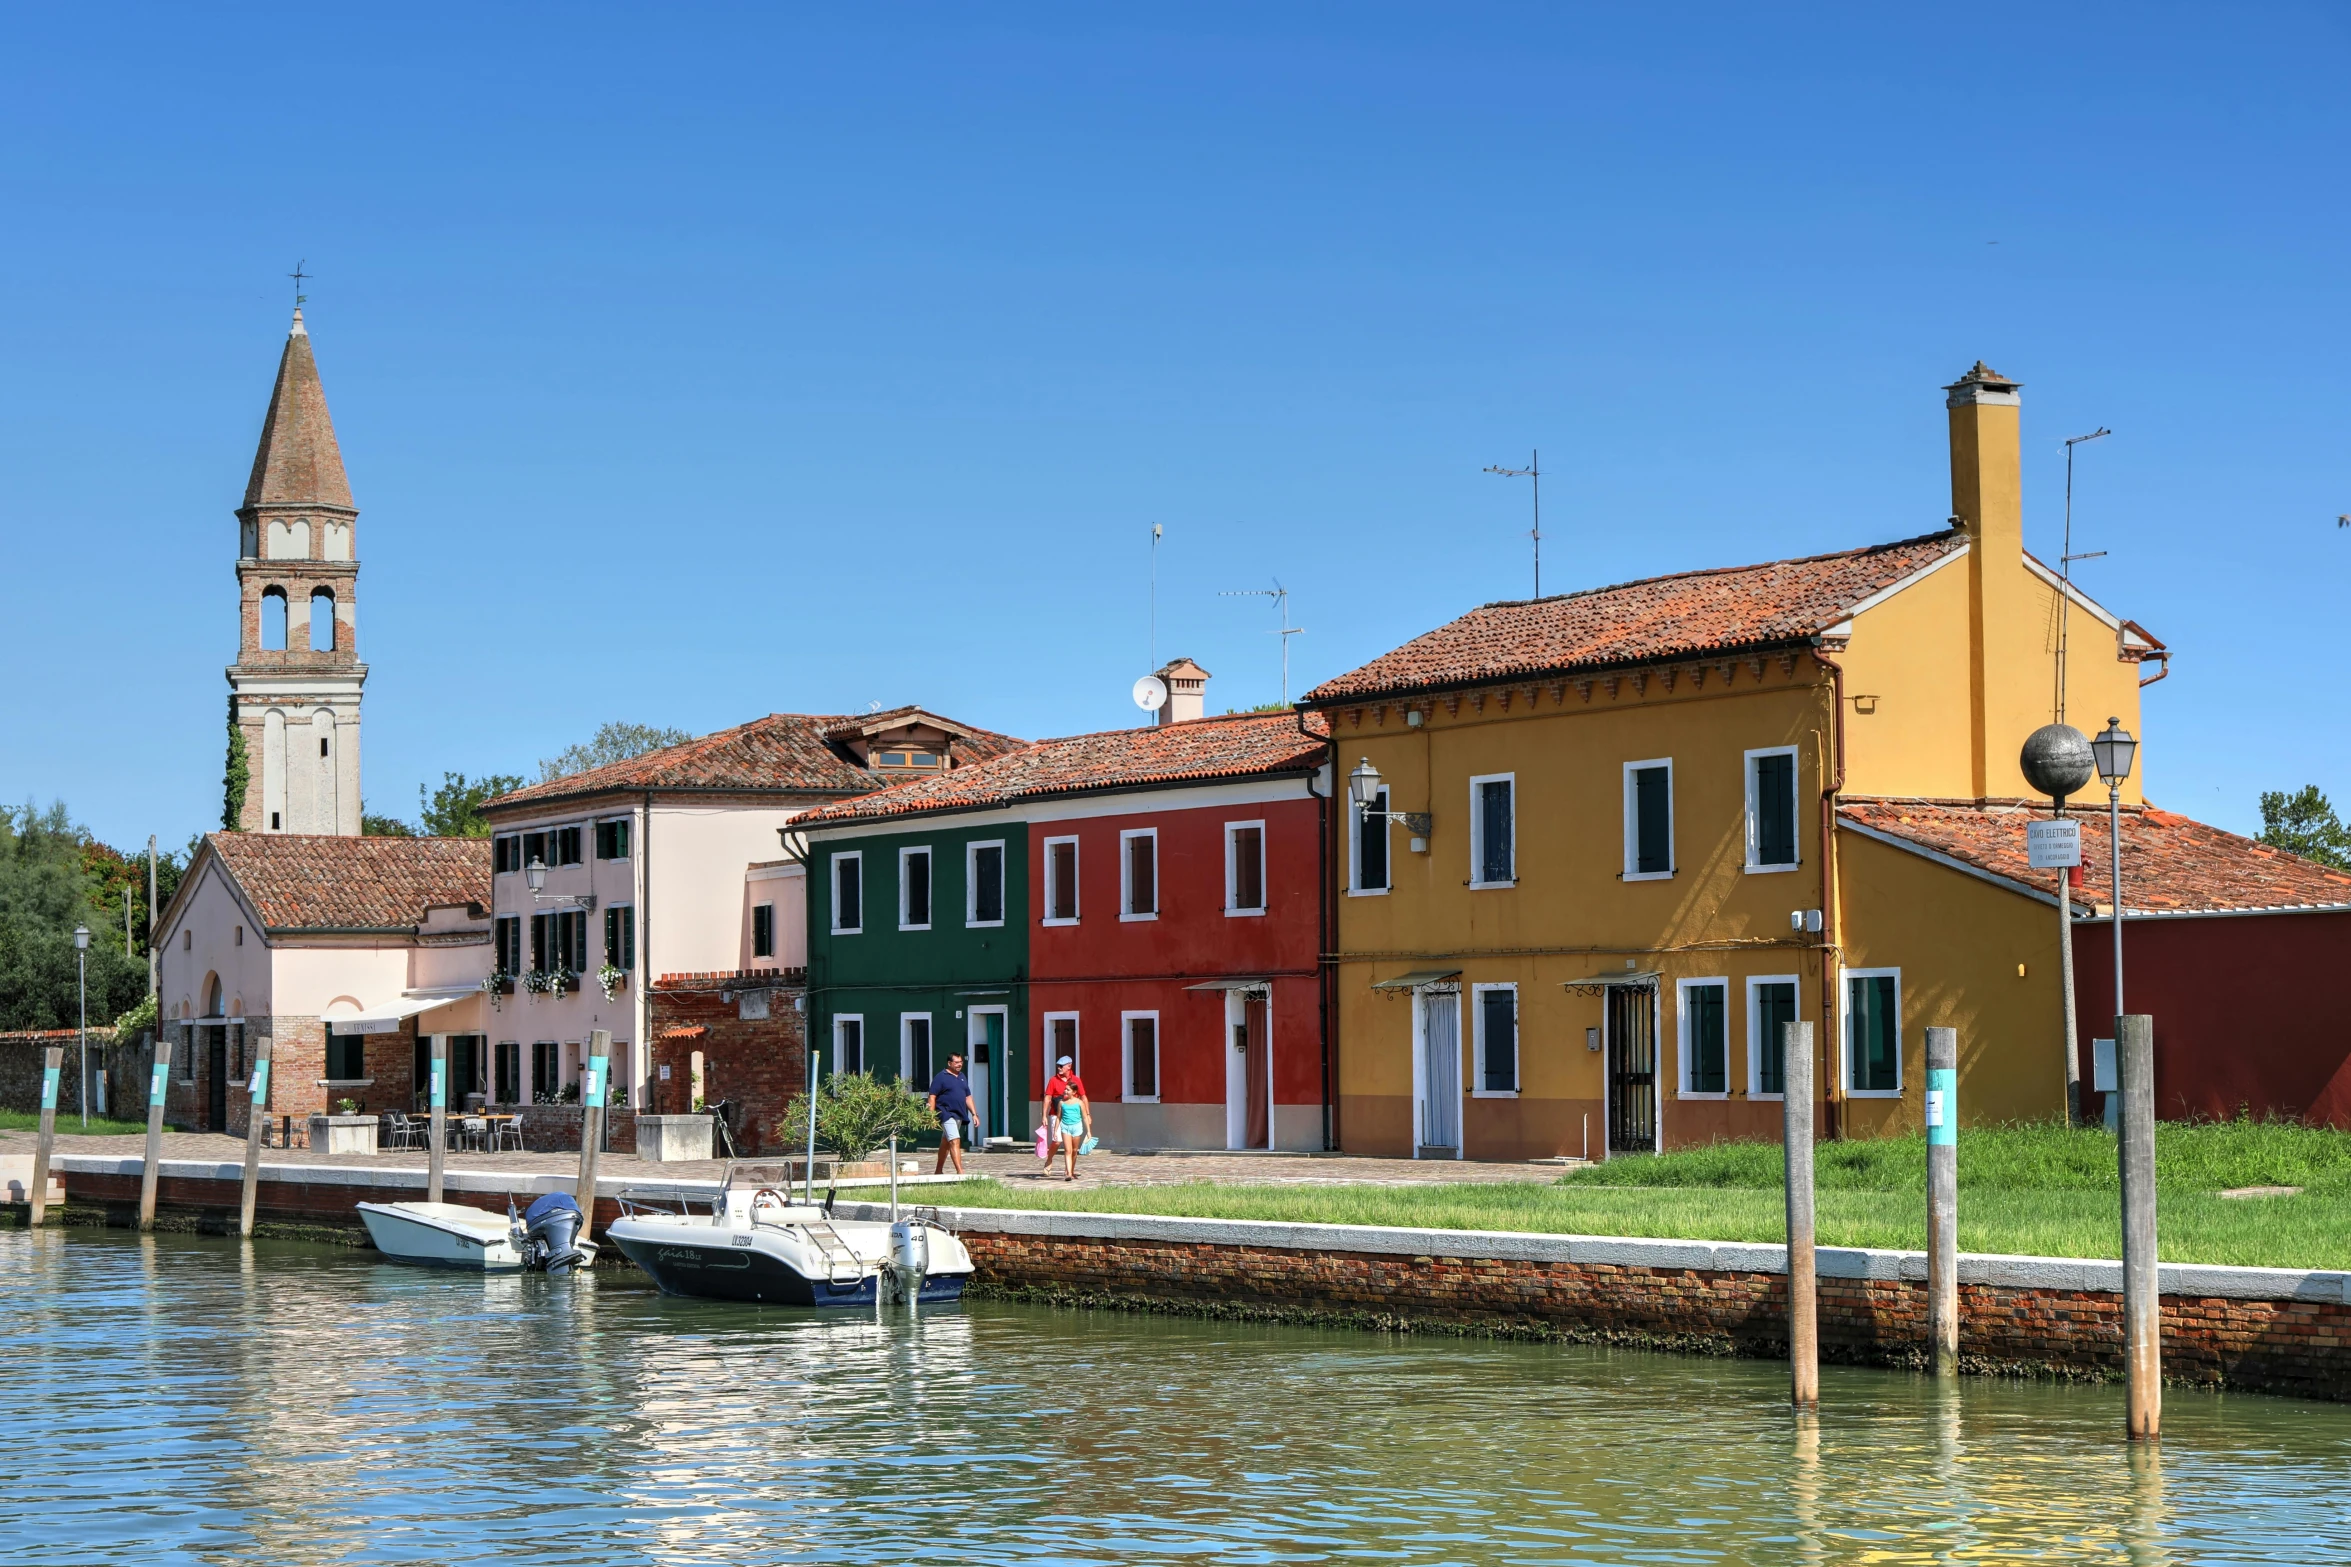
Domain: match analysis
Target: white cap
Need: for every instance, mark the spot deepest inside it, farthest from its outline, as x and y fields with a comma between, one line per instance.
x=1064, y=1061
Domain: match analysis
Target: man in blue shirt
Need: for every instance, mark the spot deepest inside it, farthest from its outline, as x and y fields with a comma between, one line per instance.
x=950, y=1101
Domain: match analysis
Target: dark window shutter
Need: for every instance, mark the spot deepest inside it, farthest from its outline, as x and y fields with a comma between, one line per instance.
x=1775, y=810
x=918, y=888
x=1249, y=868
x=1709, y=1047
x=988, y=896
x=846, y=903
x=1775, y=1008
x=1501, y=1031
x=1653, y=813
x=1494, y=823
x=1371, y=853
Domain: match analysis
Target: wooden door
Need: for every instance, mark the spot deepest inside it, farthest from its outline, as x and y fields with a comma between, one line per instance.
x=1256, y=1074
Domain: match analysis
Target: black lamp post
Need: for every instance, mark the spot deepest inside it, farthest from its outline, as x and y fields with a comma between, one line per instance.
x=81, y=975
x=2057, y=762
x=2114, y=750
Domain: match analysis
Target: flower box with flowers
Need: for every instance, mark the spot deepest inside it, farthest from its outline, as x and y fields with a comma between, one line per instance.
x=549, y=982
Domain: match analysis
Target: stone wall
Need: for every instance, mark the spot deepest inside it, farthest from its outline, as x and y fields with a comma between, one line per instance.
x=2268, y=1330
x=118, y=1072
x=751, y=1039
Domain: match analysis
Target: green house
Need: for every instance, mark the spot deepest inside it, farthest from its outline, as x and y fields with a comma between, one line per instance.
x=918, y=948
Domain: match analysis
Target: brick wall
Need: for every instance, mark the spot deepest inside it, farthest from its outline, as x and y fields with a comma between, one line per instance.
x=2297, y=1347
x=756, y=1063
x=122, y=1063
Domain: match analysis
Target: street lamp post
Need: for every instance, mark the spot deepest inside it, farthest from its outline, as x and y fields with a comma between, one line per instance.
x=81, y=974
x=1363, y=787
x=2113, y=751
x=2057, y=762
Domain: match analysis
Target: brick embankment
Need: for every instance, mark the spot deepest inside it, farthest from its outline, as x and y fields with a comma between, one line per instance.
x=2268, y=1330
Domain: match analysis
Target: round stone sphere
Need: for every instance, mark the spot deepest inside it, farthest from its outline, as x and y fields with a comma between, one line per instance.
x=2057, y=761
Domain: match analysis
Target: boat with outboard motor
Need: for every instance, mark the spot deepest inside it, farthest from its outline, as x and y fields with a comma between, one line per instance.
x=757, y=1244
x=545, y=1237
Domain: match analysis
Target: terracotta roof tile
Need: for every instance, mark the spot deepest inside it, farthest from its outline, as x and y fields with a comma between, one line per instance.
x=1690, y=613
x=303, y=881
x=1202, y=751
x=785, y=753
x=2170, y=864
x=298, y=462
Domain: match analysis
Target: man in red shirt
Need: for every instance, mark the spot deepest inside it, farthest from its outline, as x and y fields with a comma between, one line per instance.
x=1068, y=1114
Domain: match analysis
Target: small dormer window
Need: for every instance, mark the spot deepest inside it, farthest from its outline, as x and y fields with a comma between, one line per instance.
x=905, y=758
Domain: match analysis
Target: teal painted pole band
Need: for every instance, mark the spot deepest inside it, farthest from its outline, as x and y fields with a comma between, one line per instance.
x=258, y=1091
x=1942, y=1105
x=440, y=1099
x=156, y=1082
x=49, y=1088
x=592, y=1086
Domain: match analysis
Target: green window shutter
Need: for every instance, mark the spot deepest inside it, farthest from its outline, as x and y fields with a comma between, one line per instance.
x=1709, y=1044
x=1775, y=810
x=1653, y=818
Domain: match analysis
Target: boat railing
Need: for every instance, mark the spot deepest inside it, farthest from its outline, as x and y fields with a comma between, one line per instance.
x=673, y=1200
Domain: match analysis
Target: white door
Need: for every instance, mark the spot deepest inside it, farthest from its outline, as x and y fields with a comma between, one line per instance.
x=1440, y=1069
x=983, y=1052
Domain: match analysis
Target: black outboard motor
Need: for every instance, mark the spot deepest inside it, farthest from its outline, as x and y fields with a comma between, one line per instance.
x=551, y=1230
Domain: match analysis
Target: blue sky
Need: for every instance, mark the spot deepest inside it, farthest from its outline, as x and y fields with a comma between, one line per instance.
x=696, y=363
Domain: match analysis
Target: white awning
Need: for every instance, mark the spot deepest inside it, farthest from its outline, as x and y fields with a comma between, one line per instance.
x=387, y=1017
x=1418, y=979
x=1232, y=984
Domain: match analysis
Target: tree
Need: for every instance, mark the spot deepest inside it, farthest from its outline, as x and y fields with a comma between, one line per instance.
x=374, y=826
x=856, y=1113
x=455, y=809
x=613, y=743
x=237, y=778
x=52, y=877
x=2305, y=823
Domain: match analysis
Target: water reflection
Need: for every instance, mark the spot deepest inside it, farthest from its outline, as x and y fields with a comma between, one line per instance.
x=213, y=1401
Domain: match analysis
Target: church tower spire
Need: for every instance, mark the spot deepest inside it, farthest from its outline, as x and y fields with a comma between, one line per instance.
x=294, y=689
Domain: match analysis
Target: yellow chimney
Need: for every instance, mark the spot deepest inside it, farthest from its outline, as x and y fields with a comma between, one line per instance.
x=1987, y=501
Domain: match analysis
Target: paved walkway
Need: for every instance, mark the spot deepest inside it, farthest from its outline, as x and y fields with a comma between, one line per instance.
x=1102, y=1168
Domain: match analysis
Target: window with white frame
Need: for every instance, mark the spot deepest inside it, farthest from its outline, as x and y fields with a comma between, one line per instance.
x=1493, y=830
x=1368, y=872
x=983, y=883
x=1705, y=1038
x=1138, y=874
x=612, y=838
x=1771, y=1006
x=620, y=935
x=763, y=930
x=1244, y=867
x=848, y=1045
x=914, y=889
x=1061, y=881
x=1771, y=809
x=914, y=1050
x=1495, y=1017
x=848, y=893
x=1873, y=1032
x=1142, y=1056
x=1648, y=820
x=1061, y=1039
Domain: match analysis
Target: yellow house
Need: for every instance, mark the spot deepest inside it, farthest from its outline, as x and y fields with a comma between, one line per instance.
x=1606, y=859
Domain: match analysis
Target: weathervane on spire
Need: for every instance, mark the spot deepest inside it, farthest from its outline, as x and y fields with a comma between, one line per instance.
x=300, y=298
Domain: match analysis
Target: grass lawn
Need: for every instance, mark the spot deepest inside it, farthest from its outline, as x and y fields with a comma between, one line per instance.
x=2036, y=1190
x=69, y=1123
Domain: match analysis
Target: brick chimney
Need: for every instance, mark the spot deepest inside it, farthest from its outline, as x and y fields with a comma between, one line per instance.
x=1187, y=692
x=2007, y=688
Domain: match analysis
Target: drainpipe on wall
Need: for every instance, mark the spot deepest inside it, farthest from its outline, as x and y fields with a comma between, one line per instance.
x=1831, y=938
x=1325, y=836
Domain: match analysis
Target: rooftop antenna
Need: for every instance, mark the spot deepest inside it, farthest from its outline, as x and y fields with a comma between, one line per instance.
x=1281, y=602
x=2065, y=559
x=1156, y=530
x=300, y=298
x=1533, y=470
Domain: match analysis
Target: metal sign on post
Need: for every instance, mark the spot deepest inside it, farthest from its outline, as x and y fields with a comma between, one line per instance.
x=2053, y=845
x=593, y=1082
x=256, y=1132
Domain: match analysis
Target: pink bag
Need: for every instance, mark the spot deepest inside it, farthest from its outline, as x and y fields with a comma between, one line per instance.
x=1044, y=1149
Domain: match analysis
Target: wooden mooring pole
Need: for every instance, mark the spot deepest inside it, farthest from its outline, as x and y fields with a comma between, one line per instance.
x=1943, y=1198
x=52, y=1067
x=1803, y=1282
x=2142, y=1300
x=437, y=1123
x=158, y=1079
x=256, y=1132
x=592, y=1091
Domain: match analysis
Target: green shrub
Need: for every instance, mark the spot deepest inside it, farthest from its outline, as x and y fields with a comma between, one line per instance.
x=855, y=1115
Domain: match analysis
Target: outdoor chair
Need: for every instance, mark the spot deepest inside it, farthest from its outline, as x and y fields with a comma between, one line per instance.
x=507, y=1134
x=477, y=1134
x=406, y=1134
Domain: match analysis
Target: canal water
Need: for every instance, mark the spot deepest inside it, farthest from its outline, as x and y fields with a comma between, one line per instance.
x=174, y=1399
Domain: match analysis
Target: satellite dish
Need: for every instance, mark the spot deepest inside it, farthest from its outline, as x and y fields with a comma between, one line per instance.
x=1150, y=693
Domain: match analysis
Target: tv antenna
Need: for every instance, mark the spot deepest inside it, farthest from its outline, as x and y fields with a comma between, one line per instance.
x=1533, y=470
x=1281, y=603
x=1156, y=530
x=2065, y=559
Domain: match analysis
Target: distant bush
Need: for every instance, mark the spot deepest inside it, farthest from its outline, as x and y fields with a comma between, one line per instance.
x=856, y=1113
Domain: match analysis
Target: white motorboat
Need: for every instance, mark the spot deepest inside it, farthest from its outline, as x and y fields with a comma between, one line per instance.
x=757, y=1244
x=456, y=1235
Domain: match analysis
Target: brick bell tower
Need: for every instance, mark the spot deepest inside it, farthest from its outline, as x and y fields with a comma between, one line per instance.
x=294, y=689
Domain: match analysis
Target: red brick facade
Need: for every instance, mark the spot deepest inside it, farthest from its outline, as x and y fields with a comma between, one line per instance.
x=754, y=1063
